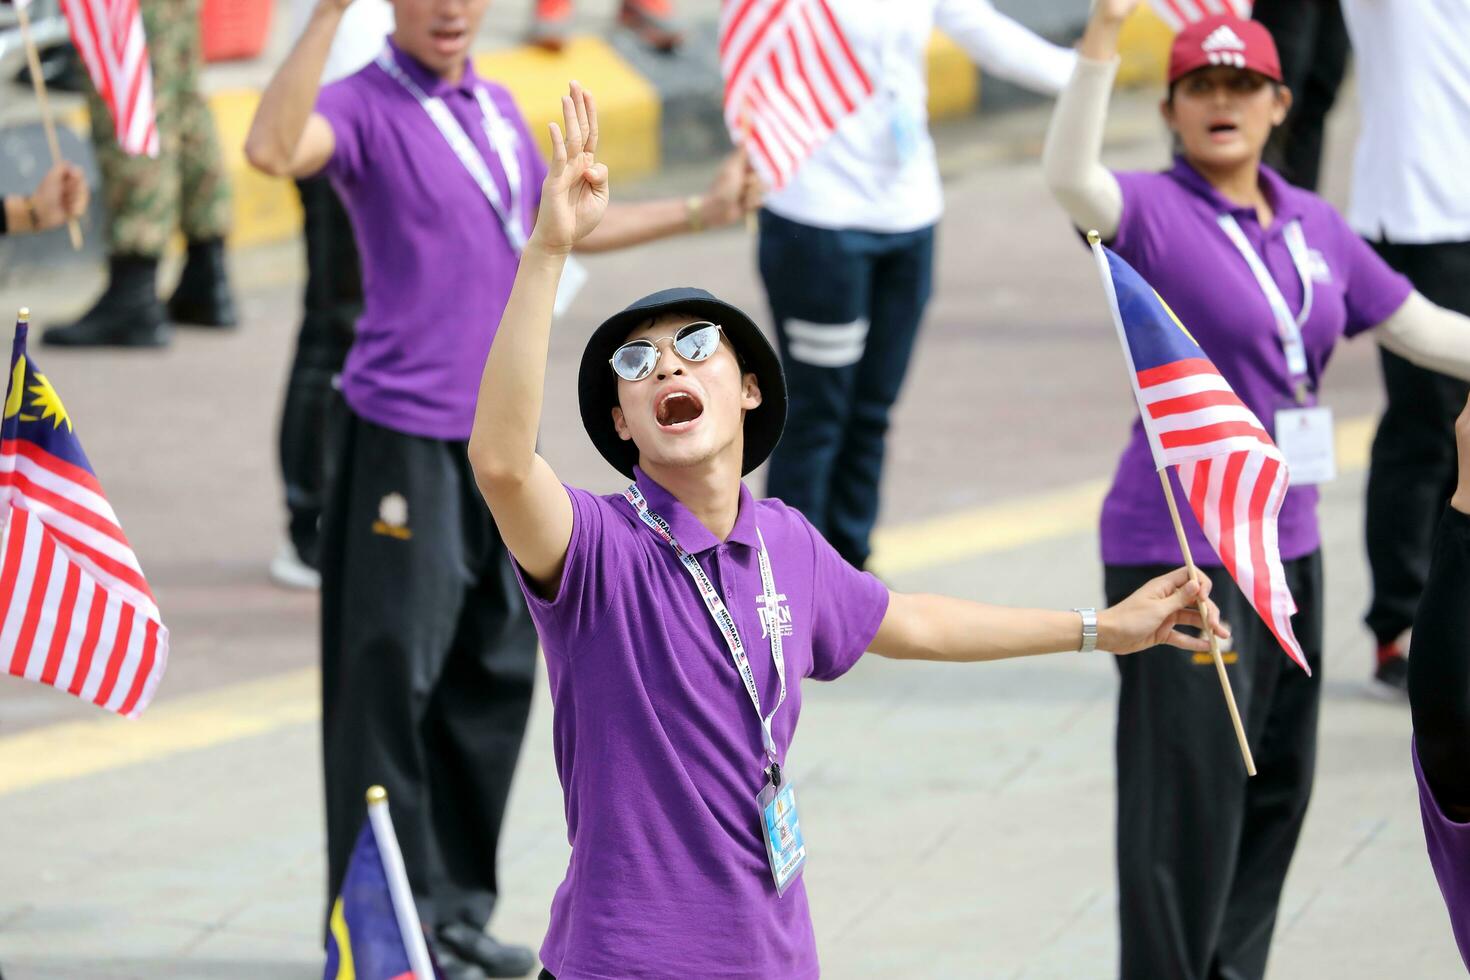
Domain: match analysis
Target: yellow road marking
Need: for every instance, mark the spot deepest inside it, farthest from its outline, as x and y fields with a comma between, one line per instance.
x=71, y=750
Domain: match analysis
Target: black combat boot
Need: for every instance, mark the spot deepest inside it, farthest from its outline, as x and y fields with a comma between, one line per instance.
x=127, y=314
x=202, y=297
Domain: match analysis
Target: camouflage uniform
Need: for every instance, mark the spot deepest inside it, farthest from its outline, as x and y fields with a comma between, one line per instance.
x=185, y=186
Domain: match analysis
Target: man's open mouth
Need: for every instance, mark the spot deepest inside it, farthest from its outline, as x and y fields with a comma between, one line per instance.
x=1222, y=127
x=677, y=408
x=448, y=37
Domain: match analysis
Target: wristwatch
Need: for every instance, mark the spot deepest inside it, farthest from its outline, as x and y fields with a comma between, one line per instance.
x=1089, y=629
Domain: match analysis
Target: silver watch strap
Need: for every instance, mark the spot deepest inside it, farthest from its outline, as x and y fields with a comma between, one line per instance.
x=1089, y=629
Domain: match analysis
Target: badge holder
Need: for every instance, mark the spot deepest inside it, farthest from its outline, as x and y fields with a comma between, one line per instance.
x=781, y=830
x=1304, y=436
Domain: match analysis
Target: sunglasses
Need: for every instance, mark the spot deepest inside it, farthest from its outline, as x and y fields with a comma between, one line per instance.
x=694, y=342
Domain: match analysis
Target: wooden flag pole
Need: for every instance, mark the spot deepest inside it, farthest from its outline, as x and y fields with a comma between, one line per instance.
x=1245, y=749
x=33, y=59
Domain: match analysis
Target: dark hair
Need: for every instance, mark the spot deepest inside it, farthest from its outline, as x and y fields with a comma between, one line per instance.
x=1276, y=86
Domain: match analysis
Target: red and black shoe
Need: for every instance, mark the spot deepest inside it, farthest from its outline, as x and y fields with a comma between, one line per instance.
x=1391, y=676
x=652, y=21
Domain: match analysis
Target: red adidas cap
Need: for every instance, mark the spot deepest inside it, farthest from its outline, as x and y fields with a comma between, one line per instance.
x=1224, y=40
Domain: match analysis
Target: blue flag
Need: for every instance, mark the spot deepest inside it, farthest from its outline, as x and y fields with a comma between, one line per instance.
x=369, y=936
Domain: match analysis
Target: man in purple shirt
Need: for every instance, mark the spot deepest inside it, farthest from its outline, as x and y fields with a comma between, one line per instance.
x=1439, y=699
x=679, y=618
x=428, y=654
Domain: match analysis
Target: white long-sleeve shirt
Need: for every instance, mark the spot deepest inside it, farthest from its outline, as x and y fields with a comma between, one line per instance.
x=857, y=178
x=1409, y=174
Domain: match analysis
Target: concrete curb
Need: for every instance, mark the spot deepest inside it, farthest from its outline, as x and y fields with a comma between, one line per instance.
x=655, y=109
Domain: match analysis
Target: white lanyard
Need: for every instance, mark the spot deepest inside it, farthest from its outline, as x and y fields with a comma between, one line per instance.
x=1288, y=326
x=497, y=131
x=725, y=623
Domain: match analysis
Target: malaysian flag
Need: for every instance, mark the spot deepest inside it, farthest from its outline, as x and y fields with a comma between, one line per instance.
x=1179, y=14
x=1232, y=472
x=109, y=36
x=790, y=78
x=75, y=611
x=373, y=932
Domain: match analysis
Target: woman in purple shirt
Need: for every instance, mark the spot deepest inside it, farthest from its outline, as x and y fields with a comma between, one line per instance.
x=664, y=610
x=1268, y=278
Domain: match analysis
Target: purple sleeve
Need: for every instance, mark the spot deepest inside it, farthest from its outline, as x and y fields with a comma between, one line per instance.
x=847, y=608
x=1374, y=291
x=588, y=581
x=1449, y=854
x=343, y=106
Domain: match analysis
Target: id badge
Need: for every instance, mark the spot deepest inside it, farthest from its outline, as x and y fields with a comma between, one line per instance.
x=781, y=829
x=1305, y=438
x=573, y=278
x=904, y=126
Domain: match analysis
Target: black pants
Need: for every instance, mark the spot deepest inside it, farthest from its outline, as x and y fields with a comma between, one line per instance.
x=847, y=306
x=1313, y=43
x=1412, y=469
x=428, y=661
x=332, y=302
x=1202, y=848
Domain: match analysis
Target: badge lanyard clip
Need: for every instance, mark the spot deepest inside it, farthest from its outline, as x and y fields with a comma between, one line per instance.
x=1288, y=326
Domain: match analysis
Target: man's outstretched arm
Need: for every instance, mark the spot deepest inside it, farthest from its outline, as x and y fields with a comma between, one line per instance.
x=525, y=497
x=1439, y=665
x=935, y=627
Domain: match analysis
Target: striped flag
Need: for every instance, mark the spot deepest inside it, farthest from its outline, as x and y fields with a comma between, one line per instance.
x=109, y=37
x=1232, y=472
x=1179, y=14
x=790, y=78
x=373, y=931
x=75, y=610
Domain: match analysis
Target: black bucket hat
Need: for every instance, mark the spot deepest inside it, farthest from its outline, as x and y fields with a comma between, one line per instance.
x=597, y=385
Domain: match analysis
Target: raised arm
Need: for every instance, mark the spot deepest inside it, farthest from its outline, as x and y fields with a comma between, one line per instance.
x=1004, y=48
x=526, y=499
x=1071, y=160
x=1429, y=336
x=934, y=627
x=1439, y=668
x=288, y=139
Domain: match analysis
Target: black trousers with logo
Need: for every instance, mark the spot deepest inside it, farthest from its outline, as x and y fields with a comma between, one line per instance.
x=1412, y=469
x=1202, y=848
x=332, y=303
x=428, y=663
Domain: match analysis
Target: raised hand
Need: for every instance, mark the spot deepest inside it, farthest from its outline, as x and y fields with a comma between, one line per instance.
x=1114, y=10
x=735, y=192
x=1100, y=40
x=1152, y=615
x=575, y=195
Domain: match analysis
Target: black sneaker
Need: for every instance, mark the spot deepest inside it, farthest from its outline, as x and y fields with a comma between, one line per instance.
x=486, y=952
x=1391, y=679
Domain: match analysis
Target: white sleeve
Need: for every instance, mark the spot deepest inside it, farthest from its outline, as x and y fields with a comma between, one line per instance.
x=1071, y=160
x=1004, y=48
x=1429, y=336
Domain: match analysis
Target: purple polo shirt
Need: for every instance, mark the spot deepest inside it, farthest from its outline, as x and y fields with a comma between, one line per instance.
x=1449, y=855
x=436, y=266
x=1169, y=233
x=657, y=744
